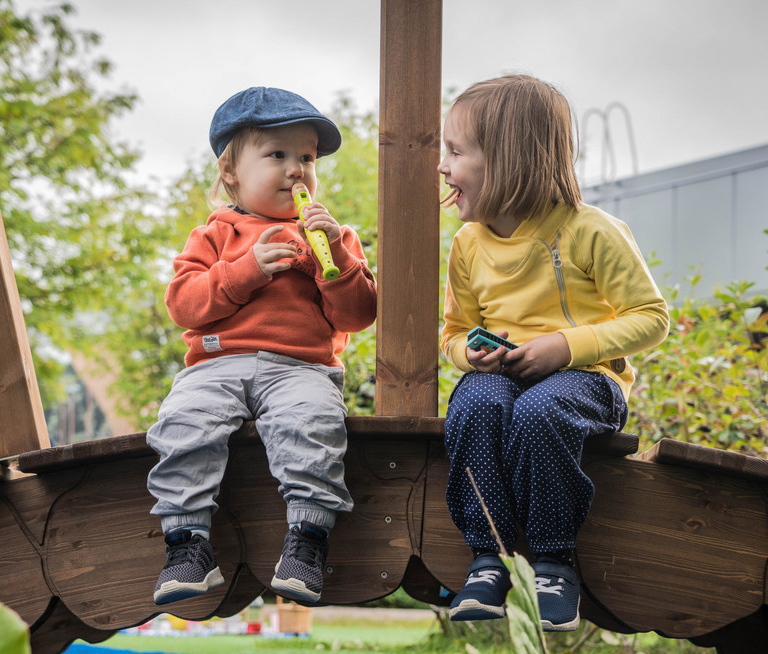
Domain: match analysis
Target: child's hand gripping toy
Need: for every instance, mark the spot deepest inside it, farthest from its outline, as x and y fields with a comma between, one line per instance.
x=317, y=238
x=479, y=339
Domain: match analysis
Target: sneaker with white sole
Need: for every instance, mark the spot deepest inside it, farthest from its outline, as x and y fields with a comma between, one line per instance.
x=190, y=568
x=484, y=596
x=558, y=592
x=299, y=572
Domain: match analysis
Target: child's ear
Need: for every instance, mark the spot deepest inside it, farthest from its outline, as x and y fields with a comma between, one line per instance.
x=226, y=170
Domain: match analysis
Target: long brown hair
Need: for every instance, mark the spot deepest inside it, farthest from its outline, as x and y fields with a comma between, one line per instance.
x=523, y=126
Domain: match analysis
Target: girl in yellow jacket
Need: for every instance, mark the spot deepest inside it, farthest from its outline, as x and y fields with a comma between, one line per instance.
x=567, y=285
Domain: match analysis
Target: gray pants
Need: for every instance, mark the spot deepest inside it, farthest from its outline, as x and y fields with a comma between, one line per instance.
x=299, y=413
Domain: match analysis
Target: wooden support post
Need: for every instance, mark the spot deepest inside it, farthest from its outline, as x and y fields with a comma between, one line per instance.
x=409, y=212
x=22, y=422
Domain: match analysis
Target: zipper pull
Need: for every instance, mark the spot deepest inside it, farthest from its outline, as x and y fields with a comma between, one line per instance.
x=556, y=260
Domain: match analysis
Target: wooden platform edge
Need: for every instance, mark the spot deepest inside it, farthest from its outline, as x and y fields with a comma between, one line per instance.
x=358, y=427
x=135, y=445
x=385, y=435
x=702, y=457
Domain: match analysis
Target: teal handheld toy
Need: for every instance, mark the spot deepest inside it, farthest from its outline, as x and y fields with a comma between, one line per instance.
x=317, y=238
x=479, y=339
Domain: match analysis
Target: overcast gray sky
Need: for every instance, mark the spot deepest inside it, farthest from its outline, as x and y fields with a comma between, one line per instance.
x=693, y=74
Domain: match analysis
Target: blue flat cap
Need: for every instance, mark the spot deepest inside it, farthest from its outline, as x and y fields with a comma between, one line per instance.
x=262, y=106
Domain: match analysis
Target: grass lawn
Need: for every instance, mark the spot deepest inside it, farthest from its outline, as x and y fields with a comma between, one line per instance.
x=354, y=635
x=392, y=637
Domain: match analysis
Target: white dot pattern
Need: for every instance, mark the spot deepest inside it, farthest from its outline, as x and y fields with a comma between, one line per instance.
x=523, y=440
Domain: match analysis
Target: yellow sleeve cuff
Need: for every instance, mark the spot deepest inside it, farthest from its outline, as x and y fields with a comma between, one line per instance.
x=582, y=341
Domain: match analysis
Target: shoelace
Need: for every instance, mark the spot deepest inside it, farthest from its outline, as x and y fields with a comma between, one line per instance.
x=307, y=549
x=545, y=585
x=178, y=553
x=484, y=576
x=183, y=552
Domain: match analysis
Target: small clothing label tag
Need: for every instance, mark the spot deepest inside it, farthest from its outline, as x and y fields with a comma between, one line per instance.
x=212, y=344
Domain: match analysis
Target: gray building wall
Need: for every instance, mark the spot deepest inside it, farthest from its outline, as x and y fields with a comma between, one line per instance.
x=706, y=217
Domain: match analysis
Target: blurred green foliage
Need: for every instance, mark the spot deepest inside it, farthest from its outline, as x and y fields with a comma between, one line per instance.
x=14, y=633
x=707, y=382
x=79, y=238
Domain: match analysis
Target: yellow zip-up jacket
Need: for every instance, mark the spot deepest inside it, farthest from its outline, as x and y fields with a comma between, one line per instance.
x=579, y=273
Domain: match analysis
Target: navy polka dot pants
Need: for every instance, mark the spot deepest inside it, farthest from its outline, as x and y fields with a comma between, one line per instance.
x=523, y=440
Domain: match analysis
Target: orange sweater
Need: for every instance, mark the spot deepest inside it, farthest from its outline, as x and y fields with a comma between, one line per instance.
x=222, y=298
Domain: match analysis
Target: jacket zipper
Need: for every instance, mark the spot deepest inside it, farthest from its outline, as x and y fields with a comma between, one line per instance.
x=557, y=262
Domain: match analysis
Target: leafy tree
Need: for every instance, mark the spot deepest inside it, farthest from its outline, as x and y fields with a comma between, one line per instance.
x=142, y=342
x=75, y=230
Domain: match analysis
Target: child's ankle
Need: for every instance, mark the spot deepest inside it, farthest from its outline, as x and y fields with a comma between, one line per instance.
x=200, y=530
x=565, y=557
x=479, y=551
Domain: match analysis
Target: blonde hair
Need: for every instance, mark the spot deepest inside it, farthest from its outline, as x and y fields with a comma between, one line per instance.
x=220, y=191
x=523, y=126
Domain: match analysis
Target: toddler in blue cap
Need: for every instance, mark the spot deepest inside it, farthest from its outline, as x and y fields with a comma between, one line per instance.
x=264, y=330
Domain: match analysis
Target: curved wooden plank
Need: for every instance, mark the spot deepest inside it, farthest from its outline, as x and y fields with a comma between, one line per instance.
x=23, y=568
x=383, y=479
x=104, y=551
x=443, y=551
x=673, y=549
x=59, y=628
x=653, y=529
x=245, y=588
x=746, y=636
x=25, y=505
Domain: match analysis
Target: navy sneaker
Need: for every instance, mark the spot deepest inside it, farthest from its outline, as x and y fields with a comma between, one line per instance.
x=557, y=588
x=299, y=572
x=190, y=568
x=484, y=596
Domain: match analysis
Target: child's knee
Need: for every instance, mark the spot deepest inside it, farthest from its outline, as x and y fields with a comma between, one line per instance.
x=475, y=402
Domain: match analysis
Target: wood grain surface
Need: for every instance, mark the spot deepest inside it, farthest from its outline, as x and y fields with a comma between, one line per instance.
x=701, y=457
x=409, y=213
x=673, y=548
x=22, y=422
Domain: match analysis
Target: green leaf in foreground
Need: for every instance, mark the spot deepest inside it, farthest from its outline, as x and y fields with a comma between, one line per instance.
x=14, y=634
x=523, y=608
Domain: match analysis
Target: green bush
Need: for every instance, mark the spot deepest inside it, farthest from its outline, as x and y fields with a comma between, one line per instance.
x=706, y=383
